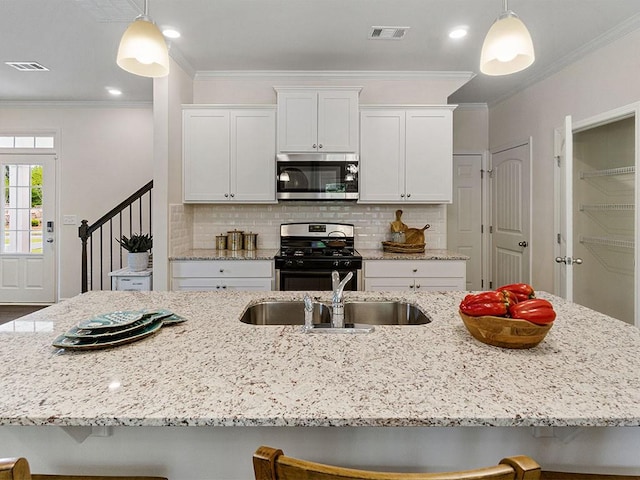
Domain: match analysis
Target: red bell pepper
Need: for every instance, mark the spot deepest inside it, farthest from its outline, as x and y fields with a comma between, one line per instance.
x=522, y=291
x=485, y=303
x=535, y=310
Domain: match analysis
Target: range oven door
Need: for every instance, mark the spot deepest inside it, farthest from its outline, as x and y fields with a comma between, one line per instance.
x=312, y=280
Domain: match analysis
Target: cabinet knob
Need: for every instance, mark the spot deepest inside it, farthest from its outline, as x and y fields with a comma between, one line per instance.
x=402, y=195
x=233, y=195
x=313, y=146
x=221, y=270
x=226, y=195
x=320, y=146
x=415, y=270
x=408, y=195
x=411, y=287
x=417, y=286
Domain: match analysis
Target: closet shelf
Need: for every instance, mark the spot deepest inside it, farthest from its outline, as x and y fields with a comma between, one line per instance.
x=608, y=172
x=607, y=242
x=608, y=207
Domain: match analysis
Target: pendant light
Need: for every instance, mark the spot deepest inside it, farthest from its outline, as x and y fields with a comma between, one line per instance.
x=143, y=50
x=507, y=48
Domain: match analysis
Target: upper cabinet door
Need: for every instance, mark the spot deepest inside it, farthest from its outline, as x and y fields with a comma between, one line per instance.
x=298, y=121
x=382, y=153
x=205, y=155
x=318, y=120
x=338, y=121
x=253, y=155
x=429, y=156
x=229, y=154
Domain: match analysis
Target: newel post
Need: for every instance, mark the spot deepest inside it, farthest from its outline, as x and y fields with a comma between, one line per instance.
x=83, y=233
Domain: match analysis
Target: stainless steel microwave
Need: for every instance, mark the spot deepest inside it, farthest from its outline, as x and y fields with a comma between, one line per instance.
x=317, y=176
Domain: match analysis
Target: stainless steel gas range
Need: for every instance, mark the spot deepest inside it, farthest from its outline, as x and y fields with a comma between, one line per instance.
x=309, y=252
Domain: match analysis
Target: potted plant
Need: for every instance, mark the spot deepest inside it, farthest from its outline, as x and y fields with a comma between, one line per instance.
x=138, y=247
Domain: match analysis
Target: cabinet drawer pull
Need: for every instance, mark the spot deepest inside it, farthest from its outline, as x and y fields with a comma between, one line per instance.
x=415, y=270
x=221, y=270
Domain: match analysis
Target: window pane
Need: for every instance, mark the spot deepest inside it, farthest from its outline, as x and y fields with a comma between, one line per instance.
x=44, y=142
x=6, y=142
x=24, y=142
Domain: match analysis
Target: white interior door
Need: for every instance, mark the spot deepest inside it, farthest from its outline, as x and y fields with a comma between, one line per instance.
x=564, y=219
x=464, y=215
x=27, y=254
x=510, y=214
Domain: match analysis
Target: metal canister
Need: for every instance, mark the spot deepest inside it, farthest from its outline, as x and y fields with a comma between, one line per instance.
x=234, y=239
x=221, y=242
x=250, y=241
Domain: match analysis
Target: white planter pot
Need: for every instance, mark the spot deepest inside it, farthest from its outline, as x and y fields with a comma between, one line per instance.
x=138, y=261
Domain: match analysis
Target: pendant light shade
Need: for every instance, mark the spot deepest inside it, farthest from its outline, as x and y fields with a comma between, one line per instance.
x=507, y=48
x=143, y=50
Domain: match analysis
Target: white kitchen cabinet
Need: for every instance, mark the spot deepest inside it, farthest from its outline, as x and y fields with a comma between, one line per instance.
x=229, y=154
x=414, y=275
x=222, y=275
x=318, y=120
x=406, y=154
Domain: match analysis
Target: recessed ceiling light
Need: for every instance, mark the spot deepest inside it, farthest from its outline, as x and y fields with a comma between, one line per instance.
x=458, y=32
x=114, y=91
x=170, y=32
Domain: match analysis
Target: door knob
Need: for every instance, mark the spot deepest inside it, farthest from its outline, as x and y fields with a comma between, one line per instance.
x=523, y=244
x=569, y=260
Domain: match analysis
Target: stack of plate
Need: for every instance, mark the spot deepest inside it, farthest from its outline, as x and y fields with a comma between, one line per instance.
x=115, y=328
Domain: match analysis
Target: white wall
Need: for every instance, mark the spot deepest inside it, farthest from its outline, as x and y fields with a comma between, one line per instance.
x=599, y=82
x=104, y=155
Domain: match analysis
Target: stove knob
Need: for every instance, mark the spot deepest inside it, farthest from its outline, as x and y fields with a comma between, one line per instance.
x=288, y=263
x=347, y=263
x=336, y=263
x=300, y=262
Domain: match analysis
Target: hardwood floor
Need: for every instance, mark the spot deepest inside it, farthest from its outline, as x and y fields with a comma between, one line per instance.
x=11, y=312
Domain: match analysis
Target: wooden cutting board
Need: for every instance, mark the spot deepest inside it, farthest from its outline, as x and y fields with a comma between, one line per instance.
x=397, y=225
x=415, y=235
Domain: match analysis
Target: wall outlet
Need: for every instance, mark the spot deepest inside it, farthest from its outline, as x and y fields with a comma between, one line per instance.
x=69, y=219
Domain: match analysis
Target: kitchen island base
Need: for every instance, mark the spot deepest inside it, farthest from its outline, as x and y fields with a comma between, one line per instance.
x=224, y=453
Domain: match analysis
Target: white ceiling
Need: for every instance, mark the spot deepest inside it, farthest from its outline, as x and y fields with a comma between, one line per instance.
x=78, y=39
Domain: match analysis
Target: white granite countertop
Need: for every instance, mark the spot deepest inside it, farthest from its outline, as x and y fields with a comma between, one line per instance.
x=214, y=370
x=269, y=253
x=213, y=254
x=429, y=254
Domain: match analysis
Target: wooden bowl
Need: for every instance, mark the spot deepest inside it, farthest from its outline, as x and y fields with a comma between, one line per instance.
x=505, y=332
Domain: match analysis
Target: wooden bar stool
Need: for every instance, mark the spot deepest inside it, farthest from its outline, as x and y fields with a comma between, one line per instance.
x=18, y=469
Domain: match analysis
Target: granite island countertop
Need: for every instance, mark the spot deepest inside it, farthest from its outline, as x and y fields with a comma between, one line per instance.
x=214, y=370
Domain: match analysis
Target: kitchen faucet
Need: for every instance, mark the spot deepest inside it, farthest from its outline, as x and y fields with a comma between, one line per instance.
x=337, y=305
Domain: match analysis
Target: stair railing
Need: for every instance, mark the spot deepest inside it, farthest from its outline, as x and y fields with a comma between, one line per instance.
x=108, y=228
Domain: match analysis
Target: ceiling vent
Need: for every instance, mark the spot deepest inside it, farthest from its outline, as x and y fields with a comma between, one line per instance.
x=28, y=66
x=388, y=33
x=111, y=11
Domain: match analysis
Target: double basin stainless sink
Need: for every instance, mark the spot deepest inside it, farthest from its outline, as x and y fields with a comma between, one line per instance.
x=367, y=313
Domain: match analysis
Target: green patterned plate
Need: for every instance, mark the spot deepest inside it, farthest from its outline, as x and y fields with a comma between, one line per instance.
x=93, y=343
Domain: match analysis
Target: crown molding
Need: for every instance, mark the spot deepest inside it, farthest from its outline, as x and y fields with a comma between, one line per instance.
x=74, y=104
x=334, y=74
x=629, y=25
x=472, y=106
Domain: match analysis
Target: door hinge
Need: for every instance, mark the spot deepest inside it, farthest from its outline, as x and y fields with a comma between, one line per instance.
x=558, y=159
x=490, y=228
x=481, y=228
x=490, y=285
x=558, y=239
x=482, y=284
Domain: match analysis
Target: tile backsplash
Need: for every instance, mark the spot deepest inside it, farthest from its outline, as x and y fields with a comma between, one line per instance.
x=195, y=226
